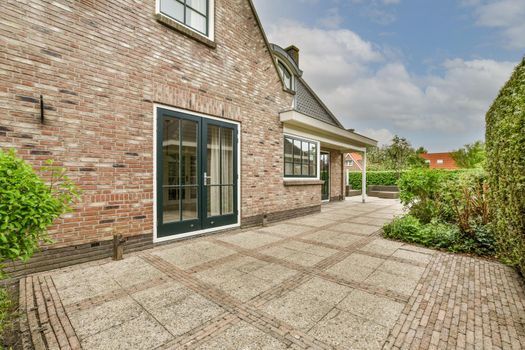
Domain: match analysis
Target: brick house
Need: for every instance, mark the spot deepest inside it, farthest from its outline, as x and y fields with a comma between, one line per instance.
x=175, y=118
x=353, y=162
x=440, y=161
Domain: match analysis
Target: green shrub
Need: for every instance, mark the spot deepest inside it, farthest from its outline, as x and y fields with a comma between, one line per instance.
x=404, y=228
x=440, y=235
x=28, y=205
x=505, y=148
x=383, y=178
x=420, y=191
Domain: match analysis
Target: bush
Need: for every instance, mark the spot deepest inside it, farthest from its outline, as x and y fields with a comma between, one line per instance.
x=440, y=235
x=28, y=206
x=505, y=148
x=384, y=178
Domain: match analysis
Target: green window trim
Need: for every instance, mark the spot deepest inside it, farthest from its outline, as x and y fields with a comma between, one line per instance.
x=184, y=12
x=300, y=157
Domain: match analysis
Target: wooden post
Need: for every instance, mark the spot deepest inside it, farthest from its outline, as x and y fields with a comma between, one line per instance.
x=118, y=247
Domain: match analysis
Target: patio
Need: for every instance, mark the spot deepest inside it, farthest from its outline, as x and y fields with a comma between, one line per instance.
x=323, y=281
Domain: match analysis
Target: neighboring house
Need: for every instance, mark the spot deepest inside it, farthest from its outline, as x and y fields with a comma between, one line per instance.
x=353, y=162
x=173, y=120
x=439, y=160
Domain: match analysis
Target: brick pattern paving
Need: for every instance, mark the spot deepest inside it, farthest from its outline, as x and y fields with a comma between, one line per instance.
x=463, y=303
x=456, y=301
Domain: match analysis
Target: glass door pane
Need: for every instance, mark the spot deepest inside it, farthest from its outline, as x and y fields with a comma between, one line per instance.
x=171, y=171
x=221, y=167
x=190, y=170
x=213, y=174
x=227, y=171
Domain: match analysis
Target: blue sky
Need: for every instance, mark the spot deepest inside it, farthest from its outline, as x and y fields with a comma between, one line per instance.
x=426, y=70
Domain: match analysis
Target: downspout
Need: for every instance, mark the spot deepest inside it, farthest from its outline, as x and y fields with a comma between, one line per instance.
x=363, y=184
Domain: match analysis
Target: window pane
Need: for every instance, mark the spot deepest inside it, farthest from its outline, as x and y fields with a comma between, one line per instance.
x=297, y=170
x=288, y=169
x=190, y=203
x=305, y=149
x=297, y=151
x=196, y=21
x=172, y=8
x=288, y=150
x=189, y=152
x=170, y=171
x=199, y=5
x=214, y=201
x=214, y=154
x=305, y=170
x=287, y=77
x=227, y=156
x=313, y=170
x=227, y=200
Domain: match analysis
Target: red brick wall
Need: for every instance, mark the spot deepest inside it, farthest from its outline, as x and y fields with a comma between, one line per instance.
x=100, y=66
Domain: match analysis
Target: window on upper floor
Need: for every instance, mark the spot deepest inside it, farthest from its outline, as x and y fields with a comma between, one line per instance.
x=286, y=75
x=194, y=14
x=300, y=157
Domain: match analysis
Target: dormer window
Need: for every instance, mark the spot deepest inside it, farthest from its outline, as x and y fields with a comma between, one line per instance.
x=285, y=75
x=194, y=14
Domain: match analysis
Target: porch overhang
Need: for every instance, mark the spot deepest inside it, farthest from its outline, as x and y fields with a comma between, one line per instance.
x=328, y=135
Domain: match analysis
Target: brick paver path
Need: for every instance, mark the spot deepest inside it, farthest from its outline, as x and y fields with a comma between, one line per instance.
x=326, y=281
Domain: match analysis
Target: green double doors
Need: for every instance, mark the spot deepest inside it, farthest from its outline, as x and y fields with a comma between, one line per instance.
x=196, y=173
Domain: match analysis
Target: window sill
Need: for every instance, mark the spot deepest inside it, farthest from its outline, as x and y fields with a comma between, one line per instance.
x=302, y=182
x=184, y=30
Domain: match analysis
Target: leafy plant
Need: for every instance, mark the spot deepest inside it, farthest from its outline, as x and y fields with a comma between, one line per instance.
x=29, y=205
x=440, y=235
x=421, y=190
x=470, y=156
x=505, y=147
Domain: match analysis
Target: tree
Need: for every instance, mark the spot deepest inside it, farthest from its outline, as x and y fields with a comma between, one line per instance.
x=398, y=156
x=470, y=156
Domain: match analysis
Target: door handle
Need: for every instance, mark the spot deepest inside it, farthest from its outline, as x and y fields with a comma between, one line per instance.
x=206, y=179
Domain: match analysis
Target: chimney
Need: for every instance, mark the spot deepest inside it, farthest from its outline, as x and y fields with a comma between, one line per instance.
x=293, y=51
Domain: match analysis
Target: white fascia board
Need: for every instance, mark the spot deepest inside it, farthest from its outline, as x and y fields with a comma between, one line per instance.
x=324, y=132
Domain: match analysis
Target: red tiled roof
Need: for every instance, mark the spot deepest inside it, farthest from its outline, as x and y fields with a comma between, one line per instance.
x=356, y=156
x=447, y=161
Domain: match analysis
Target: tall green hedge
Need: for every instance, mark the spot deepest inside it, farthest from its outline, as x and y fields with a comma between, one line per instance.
x=384, y=178
x=505, y=146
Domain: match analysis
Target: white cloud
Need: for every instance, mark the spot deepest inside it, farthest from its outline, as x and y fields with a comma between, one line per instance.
x=506, y=15
x=383, y=136
x=363, y=85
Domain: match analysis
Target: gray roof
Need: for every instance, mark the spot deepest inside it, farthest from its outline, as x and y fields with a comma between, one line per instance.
x=308, y=103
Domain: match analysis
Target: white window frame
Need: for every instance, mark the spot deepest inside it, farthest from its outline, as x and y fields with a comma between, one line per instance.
x=440, y=162
x=318, y=158
x=211, y=20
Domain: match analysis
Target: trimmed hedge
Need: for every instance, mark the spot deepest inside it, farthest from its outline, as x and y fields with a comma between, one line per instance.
x=383, y=178
x=505, y=146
